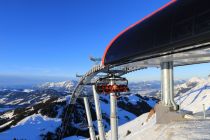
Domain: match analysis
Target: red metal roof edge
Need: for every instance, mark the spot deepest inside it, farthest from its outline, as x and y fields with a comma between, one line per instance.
x=128, y=28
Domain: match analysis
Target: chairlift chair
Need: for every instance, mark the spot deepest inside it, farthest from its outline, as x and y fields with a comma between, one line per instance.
x=103, y=85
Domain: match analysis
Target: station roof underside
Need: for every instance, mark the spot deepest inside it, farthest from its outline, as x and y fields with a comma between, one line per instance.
x=179, y=31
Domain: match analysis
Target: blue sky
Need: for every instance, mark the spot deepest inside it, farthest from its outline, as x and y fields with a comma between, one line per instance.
x=54, y=38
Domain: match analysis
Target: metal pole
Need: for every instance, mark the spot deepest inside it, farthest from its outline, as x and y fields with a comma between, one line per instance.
x=161, y=92
x=113, y=115
x=168, y=84
x=89, y=119
x=98, y=115
x=165, y=83
x=171, y=79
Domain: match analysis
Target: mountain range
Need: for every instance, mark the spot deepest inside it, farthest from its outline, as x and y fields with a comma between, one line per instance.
x=44, y=108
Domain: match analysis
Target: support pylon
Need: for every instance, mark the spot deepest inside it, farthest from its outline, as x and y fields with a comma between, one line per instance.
x=98, y=115
x=113, y=115
x=89, y=119
x=167, y=85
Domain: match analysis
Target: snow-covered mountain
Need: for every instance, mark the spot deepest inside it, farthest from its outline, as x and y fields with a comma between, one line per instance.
x=150, y=88
x=37, y=124
x=12, y=99
x=43, y=114
x=47, y=105
x=59, y=86
x=18, y=98
x=47, y=116
x=145, y=88
x=193, y=94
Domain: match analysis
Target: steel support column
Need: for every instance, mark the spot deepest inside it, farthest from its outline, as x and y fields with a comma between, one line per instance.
x=89, y=119
x=113, y=115
x=98, y=115
x=167, y=85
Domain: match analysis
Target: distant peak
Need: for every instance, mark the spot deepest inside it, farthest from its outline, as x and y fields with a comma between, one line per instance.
x=60, y=86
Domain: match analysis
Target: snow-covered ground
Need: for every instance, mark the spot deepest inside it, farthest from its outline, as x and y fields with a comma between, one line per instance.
x=183, y=130
x=194, y=128
x=135, y=126
x=31, y=127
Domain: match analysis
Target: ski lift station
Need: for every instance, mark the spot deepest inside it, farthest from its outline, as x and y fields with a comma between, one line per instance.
x=177, y=34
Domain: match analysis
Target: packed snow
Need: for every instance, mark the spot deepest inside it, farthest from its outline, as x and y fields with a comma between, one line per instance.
x=139, y=129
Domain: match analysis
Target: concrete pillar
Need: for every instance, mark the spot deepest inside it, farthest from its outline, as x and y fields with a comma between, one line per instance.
x=167, y=85
x=113, y=115
x=89, y=119
x=98, y=115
